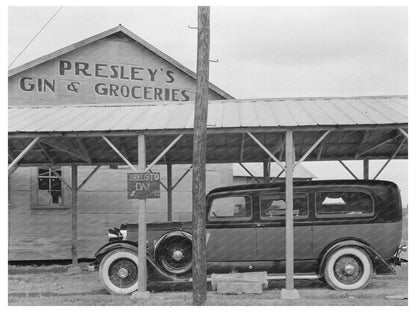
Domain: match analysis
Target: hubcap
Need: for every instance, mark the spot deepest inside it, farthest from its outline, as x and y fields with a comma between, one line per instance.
x=348, y=269
x=177, y=255
x=123, y=272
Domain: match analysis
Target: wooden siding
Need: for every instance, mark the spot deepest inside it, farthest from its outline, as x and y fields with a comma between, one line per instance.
x=45, y=234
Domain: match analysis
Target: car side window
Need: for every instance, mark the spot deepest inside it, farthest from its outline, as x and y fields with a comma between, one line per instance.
x=344, y=204
x=231, y=208
x=273, y=206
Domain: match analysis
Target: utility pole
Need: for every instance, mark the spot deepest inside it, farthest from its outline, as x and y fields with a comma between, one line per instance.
x=199, y=261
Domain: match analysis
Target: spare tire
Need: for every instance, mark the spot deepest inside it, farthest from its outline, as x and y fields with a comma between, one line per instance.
x=174, y=255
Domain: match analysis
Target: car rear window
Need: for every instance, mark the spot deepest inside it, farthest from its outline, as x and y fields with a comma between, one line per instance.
x=231, y=208
x=345, y=204
x=273, y=206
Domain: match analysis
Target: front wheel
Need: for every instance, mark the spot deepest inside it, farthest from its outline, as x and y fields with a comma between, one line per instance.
x=118, y=272
x=348, y=268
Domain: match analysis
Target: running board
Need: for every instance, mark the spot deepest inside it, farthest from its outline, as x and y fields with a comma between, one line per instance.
x=270, y=277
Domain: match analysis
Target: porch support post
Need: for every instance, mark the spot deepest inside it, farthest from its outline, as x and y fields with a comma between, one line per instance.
x=366, y=168
x=22, y=154
x=141, y=292
x=290, y=292
x=266, y=172
x=74, y=214
x=169, y=190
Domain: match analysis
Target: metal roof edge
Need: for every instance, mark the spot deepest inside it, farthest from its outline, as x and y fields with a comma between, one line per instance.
x=109, y=32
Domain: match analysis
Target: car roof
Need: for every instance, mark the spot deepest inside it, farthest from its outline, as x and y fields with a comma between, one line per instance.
x=255, y=186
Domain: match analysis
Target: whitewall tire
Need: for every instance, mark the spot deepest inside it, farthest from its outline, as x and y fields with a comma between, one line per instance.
x=118, y=272
x=348, y=268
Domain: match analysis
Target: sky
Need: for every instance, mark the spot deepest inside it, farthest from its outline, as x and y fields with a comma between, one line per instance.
x=263, y=52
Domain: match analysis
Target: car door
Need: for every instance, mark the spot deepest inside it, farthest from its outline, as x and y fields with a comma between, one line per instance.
x=231, y=234
x=271, y=232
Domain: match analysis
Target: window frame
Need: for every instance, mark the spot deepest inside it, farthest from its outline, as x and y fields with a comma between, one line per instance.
x=346, y=216
x=66, y=193
x=279, y=218
x=214, y=219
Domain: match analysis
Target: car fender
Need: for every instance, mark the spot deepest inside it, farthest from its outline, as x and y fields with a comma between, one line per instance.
x=157, y=273
x=168, y=235
x=380, y=265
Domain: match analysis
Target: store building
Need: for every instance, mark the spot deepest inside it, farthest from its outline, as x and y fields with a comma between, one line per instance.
x=115, y=66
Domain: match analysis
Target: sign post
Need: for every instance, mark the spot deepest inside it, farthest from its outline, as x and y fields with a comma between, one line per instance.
x=141, y=292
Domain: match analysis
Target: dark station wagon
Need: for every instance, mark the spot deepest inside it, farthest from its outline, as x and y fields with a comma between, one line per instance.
x=345, y=231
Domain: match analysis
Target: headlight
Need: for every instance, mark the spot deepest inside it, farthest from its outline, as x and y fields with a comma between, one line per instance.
x=124, y=234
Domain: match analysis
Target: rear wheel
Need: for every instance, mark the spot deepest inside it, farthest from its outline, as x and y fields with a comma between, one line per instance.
x=118, y=272
x=348, y=268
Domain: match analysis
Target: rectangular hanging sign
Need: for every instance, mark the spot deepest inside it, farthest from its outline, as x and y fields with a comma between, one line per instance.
x=143, y=185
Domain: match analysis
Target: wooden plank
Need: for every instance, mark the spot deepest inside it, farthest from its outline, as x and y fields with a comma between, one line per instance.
x=119, y=154
x=390, y=159
x=164, y=152
x=23, y=153
x=141, y=245
x=366, y=168
x=74, y=191
x=169, y=190
x=348, y=169
x=289, y=211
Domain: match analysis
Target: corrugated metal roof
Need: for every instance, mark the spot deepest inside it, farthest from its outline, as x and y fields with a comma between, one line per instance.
x=224, y=114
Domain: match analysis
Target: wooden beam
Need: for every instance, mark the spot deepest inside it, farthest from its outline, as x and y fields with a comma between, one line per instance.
x=164, y=152
x=169, y=190
x=46, y=153
x=22, y=154
x=74, y=192
x=182, y=177
x=89, y=176
x=120, y=154
x=391, y=158
x=266, y=150
x=243, y=137
x=404, y=133
x=289, y=212
x=141, y=239
x=364, y=137
x=348, y=169
x=310, y=150
x=65, y=150
x=161, y=183
x=84, y=150
x=266, y=172
x=61, y=178
x=248, y=171
x=366, y=168
x=381, y=141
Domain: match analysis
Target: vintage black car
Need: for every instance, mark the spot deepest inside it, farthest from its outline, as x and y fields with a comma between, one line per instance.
x=344, y=232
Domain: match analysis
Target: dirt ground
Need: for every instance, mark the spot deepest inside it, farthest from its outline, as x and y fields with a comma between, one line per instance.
x=55, y=285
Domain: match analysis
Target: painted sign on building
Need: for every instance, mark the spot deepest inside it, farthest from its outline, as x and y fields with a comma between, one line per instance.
x=114, y=69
